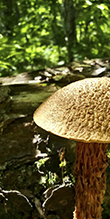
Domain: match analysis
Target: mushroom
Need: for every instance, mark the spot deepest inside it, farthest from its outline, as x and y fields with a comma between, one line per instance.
x=81, y=111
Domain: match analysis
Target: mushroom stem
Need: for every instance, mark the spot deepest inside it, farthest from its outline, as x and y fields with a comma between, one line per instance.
x=90, y=171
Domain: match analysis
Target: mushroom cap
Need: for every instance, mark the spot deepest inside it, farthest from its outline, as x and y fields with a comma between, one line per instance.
x=79, y=111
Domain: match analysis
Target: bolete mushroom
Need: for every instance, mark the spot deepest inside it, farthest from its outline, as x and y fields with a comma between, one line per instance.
x=81, y=111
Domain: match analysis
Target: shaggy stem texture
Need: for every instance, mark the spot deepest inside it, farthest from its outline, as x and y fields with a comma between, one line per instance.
x=90, y=171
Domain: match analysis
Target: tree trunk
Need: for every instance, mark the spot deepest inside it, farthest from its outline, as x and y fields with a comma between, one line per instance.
x=69, y=26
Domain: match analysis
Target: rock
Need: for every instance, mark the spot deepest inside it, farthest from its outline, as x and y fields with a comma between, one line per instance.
x=70, y=77
x=5, y=106
x=60, y=201
x=14, y=205
x=6, y=117
x=4, y=93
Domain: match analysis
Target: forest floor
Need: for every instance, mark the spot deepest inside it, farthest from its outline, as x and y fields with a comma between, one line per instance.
x=22, y=184
x=20, y=181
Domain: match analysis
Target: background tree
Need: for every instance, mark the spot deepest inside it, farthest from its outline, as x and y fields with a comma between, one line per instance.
x=69, y=26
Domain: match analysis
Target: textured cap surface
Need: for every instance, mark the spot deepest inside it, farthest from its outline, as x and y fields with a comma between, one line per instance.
x=79, y=111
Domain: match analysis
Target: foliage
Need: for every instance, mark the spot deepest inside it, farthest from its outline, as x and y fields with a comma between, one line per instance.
x=33, y=36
